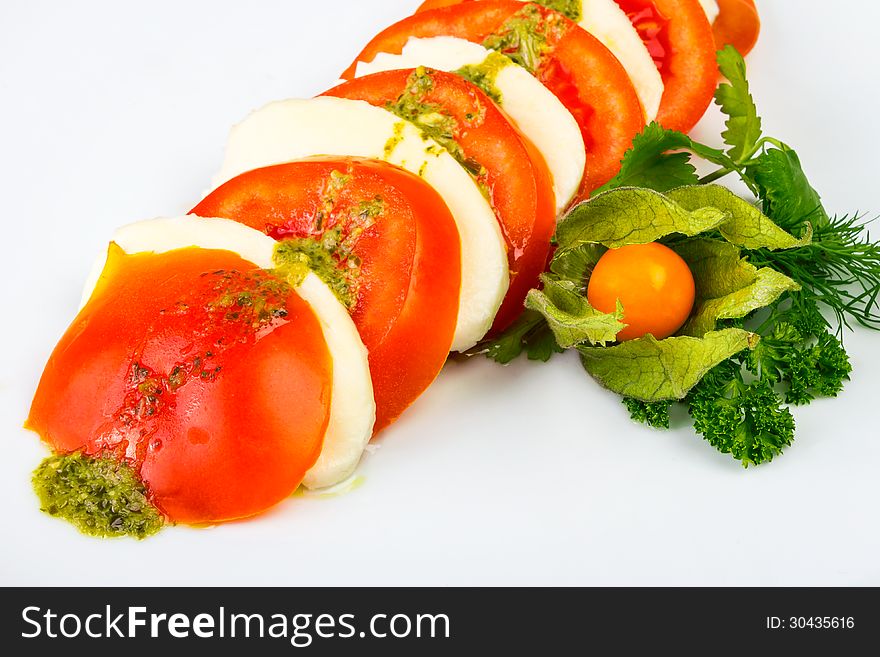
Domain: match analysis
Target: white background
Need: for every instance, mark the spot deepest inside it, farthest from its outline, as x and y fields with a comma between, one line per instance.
x=531, y=474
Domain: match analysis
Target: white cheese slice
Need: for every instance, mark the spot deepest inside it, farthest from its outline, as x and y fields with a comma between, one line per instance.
x=290, y=129
x=352, y=407
x=606, y=21
x=532, y=107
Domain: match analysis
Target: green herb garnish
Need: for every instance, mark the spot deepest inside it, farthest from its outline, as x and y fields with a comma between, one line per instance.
x=746, y=420
x=654, y=414
x=767, y=272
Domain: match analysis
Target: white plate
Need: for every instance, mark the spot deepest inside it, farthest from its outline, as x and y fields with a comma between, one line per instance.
x=529, y=474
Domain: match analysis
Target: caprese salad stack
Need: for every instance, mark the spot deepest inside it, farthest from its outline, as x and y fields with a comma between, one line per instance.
x=350, y=242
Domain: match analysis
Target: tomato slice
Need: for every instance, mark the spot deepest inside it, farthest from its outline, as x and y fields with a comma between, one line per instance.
x=502, y=160
x=737, y=24
x=401, y=257
x=678, y=36
x=573, y=64
x=208, y=375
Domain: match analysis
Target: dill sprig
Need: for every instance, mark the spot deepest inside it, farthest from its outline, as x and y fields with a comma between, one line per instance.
x=840, y=270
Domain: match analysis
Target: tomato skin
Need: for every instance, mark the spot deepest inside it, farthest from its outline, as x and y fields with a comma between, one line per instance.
x=232, y=469
x=737, y=24
x=686, y=57
x=517, y=178
x=589, y=81
x=406, y=305
x=653, y=283
x=246, y=415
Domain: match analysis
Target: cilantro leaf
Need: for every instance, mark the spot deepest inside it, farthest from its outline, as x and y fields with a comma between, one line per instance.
x=507, y=346
x=648, y=162
x=660, y=159
x=743, y=123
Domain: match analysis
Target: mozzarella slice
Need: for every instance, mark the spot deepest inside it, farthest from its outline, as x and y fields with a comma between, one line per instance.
x=532, y=107
x=352, y=408
x=711, y=8
x=289, y=129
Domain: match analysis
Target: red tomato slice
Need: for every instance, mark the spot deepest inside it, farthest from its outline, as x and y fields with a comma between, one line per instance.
x=505, y=162
x=678, y=36
x=406, y=284
x=207, y=374
x=737, y=24
x=573, y=64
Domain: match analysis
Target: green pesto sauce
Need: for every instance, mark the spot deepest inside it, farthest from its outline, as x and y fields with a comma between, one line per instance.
x=330, y=255
x=524, y=38
x=294, y=258
x=572, y=9
x=249, y=300
x=394, y=139
x=485, y=73
x=432, y=119
x=100, y=496
x=244, y=302
x=370, y=210
x=335, y=184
